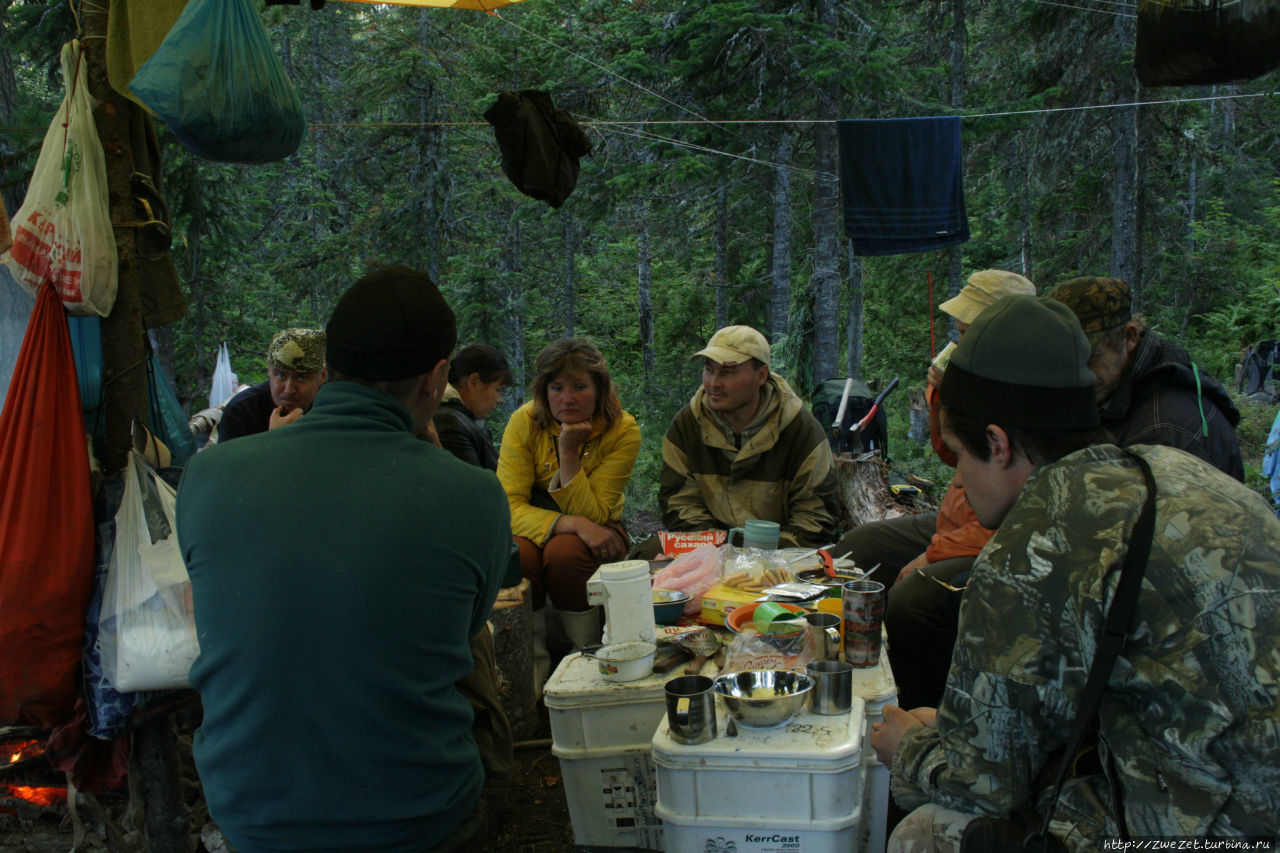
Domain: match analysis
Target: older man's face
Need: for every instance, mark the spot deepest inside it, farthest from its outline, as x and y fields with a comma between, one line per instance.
x=291, y=389
x=1109, y=363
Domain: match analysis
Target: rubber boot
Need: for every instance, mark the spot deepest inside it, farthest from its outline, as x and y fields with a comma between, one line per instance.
x=582, y=627
x=541, y=657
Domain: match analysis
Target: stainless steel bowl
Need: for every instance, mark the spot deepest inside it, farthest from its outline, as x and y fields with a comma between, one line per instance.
x=668, y=605
x=763, y=698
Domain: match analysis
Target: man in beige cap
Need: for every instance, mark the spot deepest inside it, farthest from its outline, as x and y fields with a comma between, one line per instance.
x=295, y=372
x=747, y=447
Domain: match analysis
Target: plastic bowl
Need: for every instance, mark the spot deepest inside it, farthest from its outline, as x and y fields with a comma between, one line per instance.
x=625, y=661
x=763, y=698
x=746, y=613
x=668, y=605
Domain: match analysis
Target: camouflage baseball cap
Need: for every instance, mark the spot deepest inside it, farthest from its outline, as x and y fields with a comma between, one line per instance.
x=299, y=350
x=1100, y=304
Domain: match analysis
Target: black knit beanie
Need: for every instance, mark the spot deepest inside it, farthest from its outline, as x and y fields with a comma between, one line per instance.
x=1023, y=363
x=392, y=324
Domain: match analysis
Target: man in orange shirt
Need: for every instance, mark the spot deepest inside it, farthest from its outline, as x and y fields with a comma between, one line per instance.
x=926, y=558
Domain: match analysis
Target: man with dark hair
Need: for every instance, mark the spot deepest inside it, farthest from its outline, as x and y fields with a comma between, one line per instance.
x=1187, y=724
x=747, y=447
x=339, y=569
x=1149, y=390
x=295, y=372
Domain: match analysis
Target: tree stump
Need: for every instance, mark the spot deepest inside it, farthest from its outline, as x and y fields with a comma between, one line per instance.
x=512, y=620
x=865, y=495
x=918, y=416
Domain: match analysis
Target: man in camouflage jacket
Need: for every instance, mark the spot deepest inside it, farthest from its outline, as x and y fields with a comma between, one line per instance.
x=1188, y=724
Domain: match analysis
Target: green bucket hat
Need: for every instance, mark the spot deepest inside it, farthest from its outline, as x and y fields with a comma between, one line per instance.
x=1023, y=363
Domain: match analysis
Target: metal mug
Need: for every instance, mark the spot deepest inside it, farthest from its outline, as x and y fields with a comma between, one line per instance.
x=832, y=686
x=863, y=621
x=691, y=709
x=826, y=630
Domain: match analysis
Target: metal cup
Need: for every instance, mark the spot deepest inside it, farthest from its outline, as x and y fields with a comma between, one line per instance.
x=691, y=709
x=826, y=629
x=832, y=686
x=863, y=621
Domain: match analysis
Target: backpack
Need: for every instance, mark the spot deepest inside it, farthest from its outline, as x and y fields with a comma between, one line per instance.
x=825, y=404
x=1260, y=372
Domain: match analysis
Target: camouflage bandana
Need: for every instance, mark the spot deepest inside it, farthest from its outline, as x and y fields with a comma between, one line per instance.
x=299, y=350
x=1100, y=304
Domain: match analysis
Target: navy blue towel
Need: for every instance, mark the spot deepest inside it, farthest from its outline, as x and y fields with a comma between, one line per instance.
x=901, y=184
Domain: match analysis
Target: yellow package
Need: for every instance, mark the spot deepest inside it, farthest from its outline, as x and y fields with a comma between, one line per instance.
x=721, y=600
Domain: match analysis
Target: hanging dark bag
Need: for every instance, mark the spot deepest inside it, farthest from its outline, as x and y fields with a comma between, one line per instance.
x=1020, y=832
x=1205, y=42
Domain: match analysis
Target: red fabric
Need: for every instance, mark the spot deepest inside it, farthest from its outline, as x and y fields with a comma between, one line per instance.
x=46, y=526
x=958, y=532
x=934, y=399
x=96, y=766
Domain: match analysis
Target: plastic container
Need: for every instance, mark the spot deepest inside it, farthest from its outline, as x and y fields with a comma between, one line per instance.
x=601, y=732
x=794, y=788
x=627, y=595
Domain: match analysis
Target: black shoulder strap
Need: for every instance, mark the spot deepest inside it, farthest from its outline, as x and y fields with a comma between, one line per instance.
x=1114, y=630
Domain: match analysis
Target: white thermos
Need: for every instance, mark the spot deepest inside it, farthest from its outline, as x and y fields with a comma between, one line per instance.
x=627, y=595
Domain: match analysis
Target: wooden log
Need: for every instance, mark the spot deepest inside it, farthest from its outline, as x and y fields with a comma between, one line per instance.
x=865, y=495
x=512, y=621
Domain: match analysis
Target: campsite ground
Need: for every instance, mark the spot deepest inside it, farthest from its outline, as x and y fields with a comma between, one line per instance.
x=534, y=818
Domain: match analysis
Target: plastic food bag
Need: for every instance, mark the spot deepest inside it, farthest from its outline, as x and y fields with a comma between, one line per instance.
x=219, y=86
x=148, y=632
x=694, y=573
x=62, y=232
x=749, y=649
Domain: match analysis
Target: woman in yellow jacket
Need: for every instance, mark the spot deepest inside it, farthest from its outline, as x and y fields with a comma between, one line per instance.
x=565, y=461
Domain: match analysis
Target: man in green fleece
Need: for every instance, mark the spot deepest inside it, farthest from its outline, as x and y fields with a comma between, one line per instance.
x=339, y=569
x=747, y=447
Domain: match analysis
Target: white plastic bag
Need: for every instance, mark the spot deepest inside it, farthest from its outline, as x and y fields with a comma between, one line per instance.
x=224, y=380
x=147, y=627
x=62, y=232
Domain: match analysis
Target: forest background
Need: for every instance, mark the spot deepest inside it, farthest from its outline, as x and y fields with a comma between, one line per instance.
x=711, y=194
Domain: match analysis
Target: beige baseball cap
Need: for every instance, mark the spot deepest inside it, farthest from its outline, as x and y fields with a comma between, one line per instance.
x=985, y=288
x=734, y=345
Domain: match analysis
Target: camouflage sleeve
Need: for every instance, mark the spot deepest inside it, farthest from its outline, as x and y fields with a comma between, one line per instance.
x=1025, y=634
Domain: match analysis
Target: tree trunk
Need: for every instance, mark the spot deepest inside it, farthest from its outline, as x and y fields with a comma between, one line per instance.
x=959, y=38
x=825, y=280
x=853, y=332
x=124, y=352
x=780, y=292
x=1126, y=238
x=570, y=302
x=124, y=383
x=722, y=256
x=644, y=281
x=514, y=283
x=12, y=197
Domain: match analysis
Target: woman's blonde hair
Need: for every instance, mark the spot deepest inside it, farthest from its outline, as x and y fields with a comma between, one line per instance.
x=573, y=356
